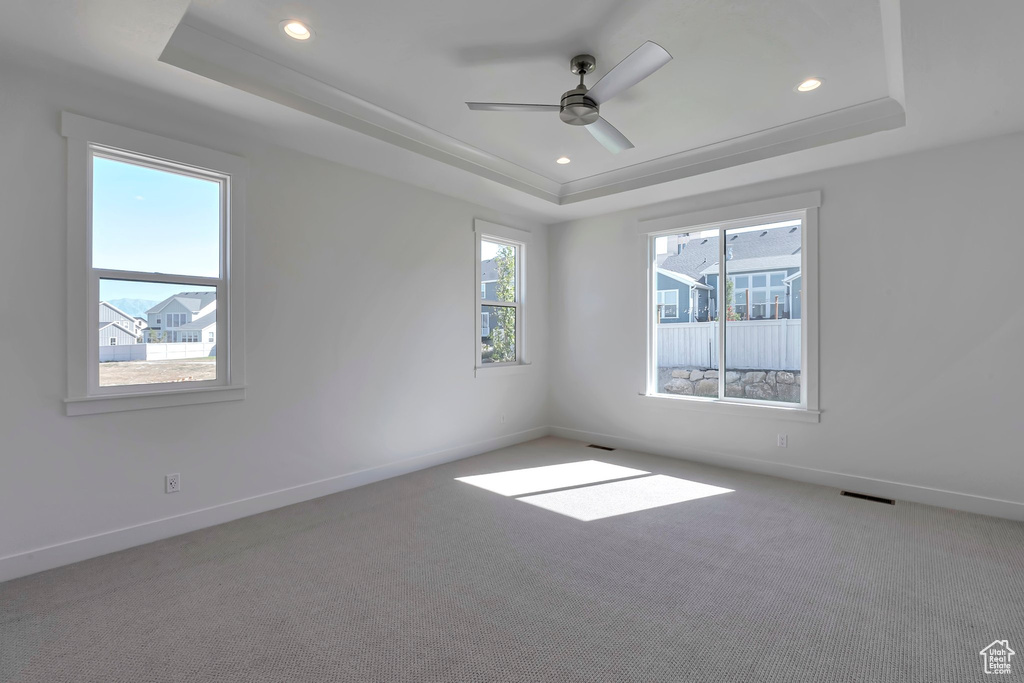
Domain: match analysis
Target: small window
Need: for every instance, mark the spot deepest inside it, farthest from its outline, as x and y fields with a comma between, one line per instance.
x=668, y=303
x=113, y=341
x=501, y=306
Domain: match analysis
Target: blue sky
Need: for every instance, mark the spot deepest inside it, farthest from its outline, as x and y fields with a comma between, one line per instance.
x=155, y=222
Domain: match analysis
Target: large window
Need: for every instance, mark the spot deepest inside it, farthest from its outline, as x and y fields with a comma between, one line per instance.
x=155, y=247
x=750, y=339
x=501, y=300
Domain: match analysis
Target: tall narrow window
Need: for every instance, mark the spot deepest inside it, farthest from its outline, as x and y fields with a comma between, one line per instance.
x=746, y=281
x=501, y=301
x=156, y=250
x=154, y=234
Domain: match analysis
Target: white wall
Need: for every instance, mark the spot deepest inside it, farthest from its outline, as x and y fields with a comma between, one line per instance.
x=922, y=334
x=384, y=269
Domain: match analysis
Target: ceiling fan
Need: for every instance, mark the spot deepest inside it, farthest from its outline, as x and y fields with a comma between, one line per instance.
x=582, y=107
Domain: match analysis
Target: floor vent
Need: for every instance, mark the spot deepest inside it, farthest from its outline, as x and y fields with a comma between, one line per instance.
x=864, y=496
x=600, y=448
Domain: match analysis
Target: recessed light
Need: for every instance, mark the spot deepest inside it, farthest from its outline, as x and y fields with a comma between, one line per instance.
x=296, y=29
x=562, y=160
x=809, y=85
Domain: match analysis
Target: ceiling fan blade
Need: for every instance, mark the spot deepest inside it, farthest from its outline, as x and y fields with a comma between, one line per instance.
x=643, y=61
x=609, y=136
x=501, y=106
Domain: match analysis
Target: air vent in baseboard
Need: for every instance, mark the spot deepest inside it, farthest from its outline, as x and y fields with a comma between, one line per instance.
x=864, y=496
x=600, y=448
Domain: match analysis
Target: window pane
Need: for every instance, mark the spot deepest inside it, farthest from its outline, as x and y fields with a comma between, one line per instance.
x=155, y=221
x=146, y=352
x=686, y=341
x=498, y=271
x=498, y=339
x=762, y=342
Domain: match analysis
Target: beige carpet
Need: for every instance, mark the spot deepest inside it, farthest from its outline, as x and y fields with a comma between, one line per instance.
x=424, y=578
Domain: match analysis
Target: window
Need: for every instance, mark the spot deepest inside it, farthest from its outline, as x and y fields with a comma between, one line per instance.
x=668, y=303
x=501, y=306
x=759, y=323
x=766, y=293
x=113, y=341
x=159, y=222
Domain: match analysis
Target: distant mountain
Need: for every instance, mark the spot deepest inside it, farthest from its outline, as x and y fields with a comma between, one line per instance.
x=134, y=307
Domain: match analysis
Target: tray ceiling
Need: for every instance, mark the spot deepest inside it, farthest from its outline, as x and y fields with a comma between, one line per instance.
x=727, y=97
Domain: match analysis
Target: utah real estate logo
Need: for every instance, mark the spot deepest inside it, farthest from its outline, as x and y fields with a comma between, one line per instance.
x=997, y=657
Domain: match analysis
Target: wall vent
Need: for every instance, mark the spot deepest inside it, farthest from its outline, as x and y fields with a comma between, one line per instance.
x=600, y=448
x=864, y=496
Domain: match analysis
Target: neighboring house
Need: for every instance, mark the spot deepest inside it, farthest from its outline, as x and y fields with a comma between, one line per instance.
x=117, y=328
x=764, y=266
x=184, y=317
x=488, y=291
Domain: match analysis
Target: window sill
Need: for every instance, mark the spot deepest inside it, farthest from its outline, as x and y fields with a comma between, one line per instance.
x=501, y=370
x=93, y=405
x=714, y=405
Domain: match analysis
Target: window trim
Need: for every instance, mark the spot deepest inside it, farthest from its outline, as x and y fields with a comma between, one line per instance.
x=804, y=206
x=493, y=232
x=84, y=396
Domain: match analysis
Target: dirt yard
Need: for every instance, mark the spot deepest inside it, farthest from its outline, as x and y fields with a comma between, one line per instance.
x=157, y=371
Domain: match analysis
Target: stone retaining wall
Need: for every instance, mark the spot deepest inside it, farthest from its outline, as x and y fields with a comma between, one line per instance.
x=765, y=385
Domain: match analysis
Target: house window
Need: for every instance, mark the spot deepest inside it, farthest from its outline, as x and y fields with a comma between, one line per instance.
x=113, y=341
x=668, y=303
x=748, y=343
x=759, y=296
x=155, y=220
x=501, y=306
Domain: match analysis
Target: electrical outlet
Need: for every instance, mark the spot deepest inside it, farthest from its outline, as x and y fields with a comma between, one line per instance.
x=172, y=483
x=783, y=441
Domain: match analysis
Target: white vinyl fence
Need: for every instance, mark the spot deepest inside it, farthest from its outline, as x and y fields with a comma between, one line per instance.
x=176, y=351
x=750, y=345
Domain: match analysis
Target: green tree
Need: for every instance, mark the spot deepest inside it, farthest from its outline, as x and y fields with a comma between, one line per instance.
x=503, y=335
x=730, y=313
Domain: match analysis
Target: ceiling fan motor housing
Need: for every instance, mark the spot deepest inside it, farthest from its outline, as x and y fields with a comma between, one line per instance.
x=578, y=109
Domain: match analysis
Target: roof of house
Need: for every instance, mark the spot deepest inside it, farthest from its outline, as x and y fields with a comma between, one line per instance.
x=193, y=301
x=746, y=265
x=699, y=255
x=201, y=323
x=489, y=270
x=685, y=279
x=119, y=325
x=116, y=309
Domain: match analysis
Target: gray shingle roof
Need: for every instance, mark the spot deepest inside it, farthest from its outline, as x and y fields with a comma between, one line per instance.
x=489, y=270
x=700, y=254
x=193, y=301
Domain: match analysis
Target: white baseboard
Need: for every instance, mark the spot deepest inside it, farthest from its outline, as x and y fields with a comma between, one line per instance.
x=966, y=502
x=60, y=554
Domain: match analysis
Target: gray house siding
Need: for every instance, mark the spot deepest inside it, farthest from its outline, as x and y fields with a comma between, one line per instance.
x=116, y=333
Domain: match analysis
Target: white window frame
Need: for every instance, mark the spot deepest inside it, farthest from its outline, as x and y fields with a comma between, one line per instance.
x=665, y=304
x=87, y=137
x=503, y=234
x=804, y=207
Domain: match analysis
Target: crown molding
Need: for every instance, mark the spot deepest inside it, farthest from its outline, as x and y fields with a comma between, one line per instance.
x=206, y=52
